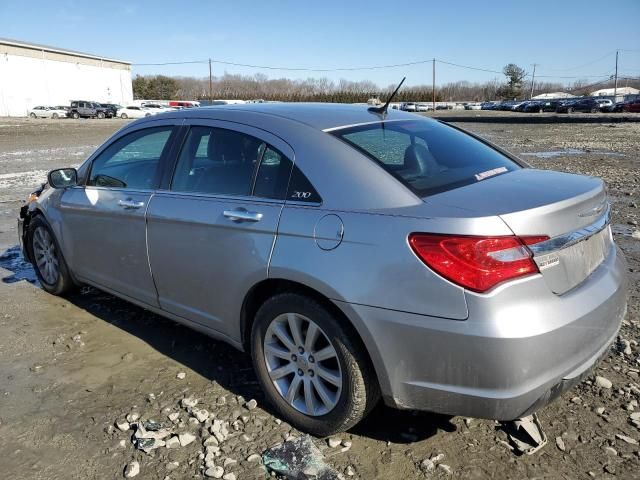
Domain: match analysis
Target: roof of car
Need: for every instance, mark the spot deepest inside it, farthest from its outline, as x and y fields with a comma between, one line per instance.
x=322, y=116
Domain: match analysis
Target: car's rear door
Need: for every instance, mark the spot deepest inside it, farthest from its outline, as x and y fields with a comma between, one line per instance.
x=103, y=221
x=211, y=232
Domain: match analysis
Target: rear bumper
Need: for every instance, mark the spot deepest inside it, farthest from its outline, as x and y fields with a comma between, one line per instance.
x=520, y=348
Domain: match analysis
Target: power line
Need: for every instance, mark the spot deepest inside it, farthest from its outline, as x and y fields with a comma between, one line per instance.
x=297, y=69
x=469, y=67
x=351, y=69
x=584, y=64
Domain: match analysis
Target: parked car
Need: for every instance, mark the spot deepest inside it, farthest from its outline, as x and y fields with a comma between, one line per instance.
x=112, y=107
x=632, y=106
x=157, y=108
x=533, y=106
x=134, y=111
x=472, y=106
x=184, y=103
x=587, y=105
x=605, y=104
x=550, y=105
x=516, y=105
x=84, y=109
x=507, y=105
x=47, y=112
x=423, y=107
x=489, y=105
x=398, y=258
x=409, y=107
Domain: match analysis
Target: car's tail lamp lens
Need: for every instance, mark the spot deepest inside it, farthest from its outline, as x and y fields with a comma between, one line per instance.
x=473, y=262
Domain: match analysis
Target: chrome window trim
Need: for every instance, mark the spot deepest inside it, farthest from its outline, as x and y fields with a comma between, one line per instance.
x=571, y=238
x=340, y=127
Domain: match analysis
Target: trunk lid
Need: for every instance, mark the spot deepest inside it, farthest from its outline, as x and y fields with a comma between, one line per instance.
x=572, y=210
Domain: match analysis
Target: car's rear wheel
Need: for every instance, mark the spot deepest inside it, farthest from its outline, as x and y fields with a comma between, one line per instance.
x=594, y=110
x=75, y=115
x=312, y=369
x=570, y=110
x=100, y=115
x=54, y=116
x=48, y=262
x=540, y=110
x=124, y=116
x=32, y=115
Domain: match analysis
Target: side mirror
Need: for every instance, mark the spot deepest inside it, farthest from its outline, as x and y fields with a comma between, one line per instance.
x=63, y=178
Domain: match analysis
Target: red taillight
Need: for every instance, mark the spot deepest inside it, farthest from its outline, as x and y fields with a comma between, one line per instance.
x=476, y=263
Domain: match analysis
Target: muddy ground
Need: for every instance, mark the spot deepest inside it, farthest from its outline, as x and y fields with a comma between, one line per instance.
x=71, y=367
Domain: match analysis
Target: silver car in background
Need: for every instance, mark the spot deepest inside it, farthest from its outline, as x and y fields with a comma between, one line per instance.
x=355, y=254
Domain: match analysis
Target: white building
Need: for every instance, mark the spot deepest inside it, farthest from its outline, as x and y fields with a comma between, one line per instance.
x=32, y=74
x=546, y=96
x=608, y=92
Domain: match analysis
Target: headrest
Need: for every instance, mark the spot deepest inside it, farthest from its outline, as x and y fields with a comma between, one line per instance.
x=417, y=159
x=225, y=146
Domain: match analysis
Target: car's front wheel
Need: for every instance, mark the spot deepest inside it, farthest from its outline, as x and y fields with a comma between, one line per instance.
x=75, y=115
x=124, y=116
x=48, y=262
x=310, y=365
x=100, y=115
x=32, y=115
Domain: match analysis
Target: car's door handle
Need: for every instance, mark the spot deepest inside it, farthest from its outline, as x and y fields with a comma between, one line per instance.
x=130, y=204
x=242, y=216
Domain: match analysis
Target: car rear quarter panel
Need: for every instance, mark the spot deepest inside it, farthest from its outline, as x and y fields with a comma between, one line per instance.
x=373, y=265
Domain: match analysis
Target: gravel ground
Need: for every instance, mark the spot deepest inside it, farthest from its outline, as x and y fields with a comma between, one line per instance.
x=72, y=370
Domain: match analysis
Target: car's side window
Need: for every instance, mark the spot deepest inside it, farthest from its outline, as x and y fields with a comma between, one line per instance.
x=217, y=161
x=132, y=160
x=273, y=175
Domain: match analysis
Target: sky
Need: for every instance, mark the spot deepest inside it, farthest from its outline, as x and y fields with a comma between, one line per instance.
x=570, y=38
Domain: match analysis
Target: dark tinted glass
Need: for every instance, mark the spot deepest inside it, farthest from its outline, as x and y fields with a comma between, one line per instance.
x=131, y=161
x=428, y=157
x=217, y=161
x=300, y=189
x=273, y=175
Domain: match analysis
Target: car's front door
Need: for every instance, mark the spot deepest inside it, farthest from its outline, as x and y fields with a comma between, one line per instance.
x=103, y=221
x=212, y=230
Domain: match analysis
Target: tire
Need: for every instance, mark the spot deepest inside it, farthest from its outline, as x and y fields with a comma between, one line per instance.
x=100, y=115
x=570, y=110
x=54, y=116
x=33, y=115
x=594, y=110
x=124, y=116
x=41, y=239
x=75, y=115
x=540, y=110
x=346, y=404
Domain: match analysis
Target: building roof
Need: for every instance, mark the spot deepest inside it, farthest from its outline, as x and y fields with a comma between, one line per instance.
x=619, y=91
x=545, y=96
x=47, y=48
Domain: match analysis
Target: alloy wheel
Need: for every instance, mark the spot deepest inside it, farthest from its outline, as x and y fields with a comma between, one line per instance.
x=45, y=255
x=303, y=364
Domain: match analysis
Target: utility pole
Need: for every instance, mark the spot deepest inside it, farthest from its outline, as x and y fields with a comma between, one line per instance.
x=533, y=80
x=433, y=90
x=615, y=82
x=210, y=82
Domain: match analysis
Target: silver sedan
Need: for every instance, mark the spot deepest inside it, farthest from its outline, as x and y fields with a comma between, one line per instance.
x=356, y=254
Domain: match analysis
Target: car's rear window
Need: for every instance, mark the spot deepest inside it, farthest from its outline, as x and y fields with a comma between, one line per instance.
x=428, y=157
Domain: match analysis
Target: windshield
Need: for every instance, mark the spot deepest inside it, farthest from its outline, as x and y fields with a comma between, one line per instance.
x=428, y=157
